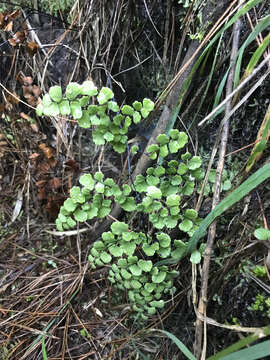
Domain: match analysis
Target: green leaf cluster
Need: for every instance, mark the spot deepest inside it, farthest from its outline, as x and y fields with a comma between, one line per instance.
x=261, y=304
x=164, y=190
x=131, y=256
x=93, y=200
x=96, y=109
x=167, y=144
x=226, y=183
x=136, y=260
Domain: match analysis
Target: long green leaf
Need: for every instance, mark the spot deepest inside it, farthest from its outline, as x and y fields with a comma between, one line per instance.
x=244, y=9
x=179, y=344
x=257, y=55
x=231, y=350
x=43, y=349
x=213, y=66
x=219, y=93
x=251, y=183
x=258, y=351
x=262, y=138
x=264, y=23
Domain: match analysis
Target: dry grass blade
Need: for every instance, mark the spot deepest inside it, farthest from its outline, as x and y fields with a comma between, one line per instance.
x=47, y=296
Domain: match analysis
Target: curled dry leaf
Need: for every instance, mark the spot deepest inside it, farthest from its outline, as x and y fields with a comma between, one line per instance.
x=34, y=127
x=97, y=312
x=53, y=205
x=32, y=123
x=6, y=18
x=2, y=20
x=9, y=26
x=13, y=98
x=36, y=90
x=14, y=15
x=42, y=193
x=28, y=96
x=20, y=76
x=30, y=92
x=32, y=48
x=47, y=151
x=18, y=206
x=18, y=38
x=43, y=168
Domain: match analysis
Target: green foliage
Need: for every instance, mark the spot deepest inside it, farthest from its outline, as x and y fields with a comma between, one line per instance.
x=239, y=193
x=258, y=304
x=176, y=141
x=226, y=183
x=145, y=283
x=162, y=193
x=261, y=304
x=197, y=31
x=262, y=234
x=258, y=351
x=131, y=255
x=260, y=271
x=54, y=6
x=43, y=349
x=181, y=346
x=50, y=7
x=96, y=109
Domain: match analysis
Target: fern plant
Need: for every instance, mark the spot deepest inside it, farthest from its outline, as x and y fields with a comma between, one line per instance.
x=132, y=255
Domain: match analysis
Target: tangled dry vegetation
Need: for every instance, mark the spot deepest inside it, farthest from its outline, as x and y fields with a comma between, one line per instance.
x=51, y=303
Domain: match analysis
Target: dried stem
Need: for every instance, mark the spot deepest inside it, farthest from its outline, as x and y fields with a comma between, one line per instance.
x=199, y=351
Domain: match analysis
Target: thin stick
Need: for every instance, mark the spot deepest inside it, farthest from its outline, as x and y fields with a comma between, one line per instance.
x=201, y=326
x=239, y=87
x=148, y=13
x=227, y=117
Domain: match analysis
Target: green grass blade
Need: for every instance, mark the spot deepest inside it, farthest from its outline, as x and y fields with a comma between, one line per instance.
x=259, y=27
x=43, y=349
x=258, y=351
x=244, y=9
x=231, y=350
x=259, y=147
x=208, y=81
x=219, y=93
x=142, y=356
x=50, y=324
x=251, y=183
x=257, y=55
x=264, y=23
x=179, y=344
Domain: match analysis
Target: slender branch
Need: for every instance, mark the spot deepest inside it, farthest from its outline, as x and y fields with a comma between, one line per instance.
x=199, y=350
x=227, y=117
x=239, y=87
